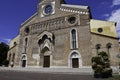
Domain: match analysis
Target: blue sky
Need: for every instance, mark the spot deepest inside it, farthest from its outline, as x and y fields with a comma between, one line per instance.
x=14, y=12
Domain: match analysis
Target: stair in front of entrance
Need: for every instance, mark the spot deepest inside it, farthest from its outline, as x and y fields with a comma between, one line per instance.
x=84, y=70
x=53, y=70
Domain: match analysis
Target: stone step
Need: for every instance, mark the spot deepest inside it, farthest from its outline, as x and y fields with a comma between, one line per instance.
x=84, y=70
x=50, y=70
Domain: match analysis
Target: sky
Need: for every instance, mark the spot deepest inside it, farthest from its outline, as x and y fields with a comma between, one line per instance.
x=15, y=12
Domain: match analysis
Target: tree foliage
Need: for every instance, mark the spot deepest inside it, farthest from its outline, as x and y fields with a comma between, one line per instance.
x=3, y=52
x=101, y=65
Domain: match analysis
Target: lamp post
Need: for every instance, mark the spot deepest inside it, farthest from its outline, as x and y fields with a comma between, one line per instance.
x=118, y=56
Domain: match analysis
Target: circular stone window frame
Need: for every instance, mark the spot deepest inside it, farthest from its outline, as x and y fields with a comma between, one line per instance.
x=43, y=9
x=72, y=24
x=100, y=30
x=49, y=6
x=27, y=30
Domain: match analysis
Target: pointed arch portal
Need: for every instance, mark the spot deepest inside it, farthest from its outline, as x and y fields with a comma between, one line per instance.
x=46, y=57
x=75, y=60
x=23, y=61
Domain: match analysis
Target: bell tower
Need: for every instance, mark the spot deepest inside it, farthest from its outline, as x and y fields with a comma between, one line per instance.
x=49, y=7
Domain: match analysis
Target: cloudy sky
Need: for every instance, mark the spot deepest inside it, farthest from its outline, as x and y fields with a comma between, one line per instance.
x=14, y=12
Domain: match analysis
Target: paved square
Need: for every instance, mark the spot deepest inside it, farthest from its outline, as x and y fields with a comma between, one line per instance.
x=28, y=75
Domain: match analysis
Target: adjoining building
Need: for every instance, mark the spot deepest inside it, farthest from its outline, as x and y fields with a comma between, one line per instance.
x=61, y=35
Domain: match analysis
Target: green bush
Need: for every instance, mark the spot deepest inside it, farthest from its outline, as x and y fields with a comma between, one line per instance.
x=101, y=65
x=5, y=63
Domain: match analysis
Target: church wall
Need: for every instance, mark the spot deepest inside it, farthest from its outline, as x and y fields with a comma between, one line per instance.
x=61, y=29
x=104, y=40
x=85, y=44
x=63, y=45
x=31, y=50
x=13, y=51
x=10, y=56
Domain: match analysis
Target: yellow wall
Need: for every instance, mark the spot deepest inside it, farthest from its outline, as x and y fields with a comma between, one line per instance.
x=109, y=28
x=14, y=40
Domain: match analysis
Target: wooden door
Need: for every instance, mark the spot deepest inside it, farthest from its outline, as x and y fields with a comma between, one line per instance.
x=75, y=63
x=23, y=63
x=46, y=61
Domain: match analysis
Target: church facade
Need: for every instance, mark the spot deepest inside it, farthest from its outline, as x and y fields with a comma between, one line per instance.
x=61, y=35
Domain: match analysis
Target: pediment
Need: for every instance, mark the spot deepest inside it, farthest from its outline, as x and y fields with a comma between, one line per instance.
x=30, y=20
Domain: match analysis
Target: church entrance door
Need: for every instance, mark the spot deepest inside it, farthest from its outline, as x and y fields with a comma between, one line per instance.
x=46, y=61
x=23, y=63
x=75, y=63
x=75, y=60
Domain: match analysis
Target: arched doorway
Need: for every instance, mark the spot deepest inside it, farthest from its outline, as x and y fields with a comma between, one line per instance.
x=46, y=42
x=23, y=61
x=75, y=60
x=46, y=57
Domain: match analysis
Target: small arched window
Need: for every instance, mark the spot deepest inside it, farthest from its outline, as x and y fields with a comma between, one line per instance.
x=13, y=57
x=9, y=57
x=108, y=46
x=26, y=41
x=25, y=45
x=98, y=46
x=74, y=39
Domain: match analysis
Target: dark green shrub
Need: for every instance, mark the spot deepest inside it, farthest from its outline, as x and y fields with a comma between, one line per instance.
x=6, y=63
x=101, y=65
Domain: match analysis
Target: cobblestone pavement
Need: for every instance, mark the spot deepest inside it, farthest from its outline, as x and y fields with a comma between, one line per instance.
x=26, y=75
